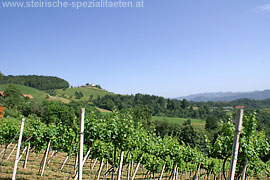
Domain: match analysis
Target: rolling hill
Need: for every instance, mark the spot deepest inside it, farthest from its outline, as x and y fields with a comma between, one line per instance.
x=37, y=94
x=86, y=91
x=227, y=96
x=64, y=95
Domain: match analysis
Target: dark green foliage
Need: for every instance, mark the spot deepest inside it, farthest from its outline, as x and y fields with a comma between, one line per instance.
x=143, y=116
x=263, y=118
x=185, y=134
x=164, y=128
x=54, y=112
x=91, y=97
x=158, y=106
x=190, y=136
x=1, y=75
x=78, y=95
x=13, y=97
x=98, y=86
x=51, y=92
x=38, y=82
x=211, y=123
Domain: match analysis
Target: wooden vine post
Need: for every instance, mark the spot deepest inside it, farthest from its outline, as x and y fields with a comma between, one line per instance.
x=162, y=171
x=238, y=126
x=18, y=150
x=26, y=157
x=45, y=158
x=81, y=144
x=120, y=166
x=134, y=174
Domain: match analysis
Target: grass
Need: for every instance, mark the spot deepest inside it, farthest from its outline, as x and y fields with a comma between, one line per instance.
x=64, y=95
x=266, y=110
x=64, y=100
x=198, y=123
x=87, y=92
x=37, y=94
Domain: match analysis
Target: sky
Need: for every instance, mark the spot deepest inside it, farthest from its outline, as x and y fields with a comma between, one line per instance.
x=168, y=48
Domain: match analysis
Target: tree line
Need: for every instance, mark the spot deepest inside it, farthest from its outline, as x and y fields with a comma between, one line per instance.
x=158, y=106
x=35, y=81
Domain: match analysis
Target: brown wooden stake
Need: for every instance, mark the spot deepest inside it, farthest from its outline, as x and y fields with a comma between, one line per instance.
x=174, y=172
x=244, y=170
x=12, y=151
x=75, y=164
x=135, y=171
x=62, y=166
x=22, y=153
x=84, y=160
x=86, y=156
x=93, y=165
x=160, y=177
x=131, y=170
x=5, y=148
x=46, y=156
x=120, y=166
x=100, y=168
x=52, y=155
x=40, y=166
x=197, y=172
x=128, y=173
x=107, y=166
x=209, y=175
x=177, y=173
x=26, y=157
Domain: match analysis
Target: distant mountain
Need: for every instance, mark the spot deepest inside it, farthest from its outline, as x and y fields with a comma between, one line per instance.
x=227, y=96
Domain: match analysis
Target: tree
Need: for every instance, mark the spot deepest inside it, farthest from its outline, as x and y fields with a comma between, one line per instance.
x=98, y=86
x=91, y=97
x=1, y=75
x=211, y=123
x=78, y=95
x=39, y=82
x=189, y=135
x=184, y=104
x=13, y=96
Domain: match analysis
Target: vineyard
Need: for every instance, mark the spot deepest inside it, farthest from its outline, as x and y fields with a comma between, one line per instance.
x=117, y=147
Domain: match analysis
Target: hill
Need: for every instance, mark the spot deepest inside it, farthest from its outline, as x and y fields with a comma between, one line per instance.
x=64, y=95
x=87, y=92
x=38, y=82
x=227, y=96
x=37, y=94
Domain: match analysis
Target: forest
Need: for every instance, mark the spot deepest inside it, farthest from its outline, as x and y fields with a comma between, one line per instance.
x=38, y=82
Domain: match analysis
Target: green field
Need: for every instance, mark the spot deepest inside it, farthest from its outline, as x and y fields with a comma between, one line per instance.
x=198, y=123
x=87, y=92
x=61, y=94
x=37, y=94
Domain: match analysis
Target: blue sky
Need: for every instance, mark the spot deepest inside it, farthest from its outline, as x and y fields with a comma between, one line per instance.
x=169, y=48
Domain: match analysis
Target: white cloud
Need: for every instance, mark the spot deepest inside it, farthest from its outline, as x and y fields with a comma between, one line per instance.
x=265, y=7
